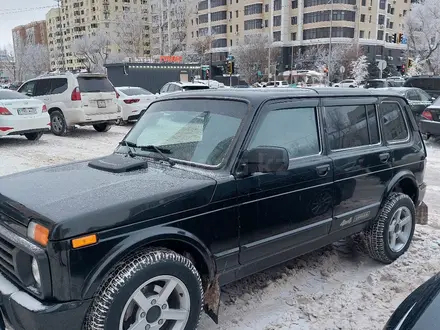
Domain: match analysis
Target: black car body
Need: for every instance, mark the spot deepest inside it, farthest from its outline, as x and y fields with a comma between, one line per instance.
x=430, y=120
x=383, y=83
x=417, y=98
x=420, y=310
x=239, y=181
x=430, y=84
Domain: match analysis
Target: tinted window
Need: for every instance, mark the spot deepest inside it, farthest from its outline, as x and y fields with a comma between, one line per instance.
x=424, y=83
x=189, y=129
x=59, y=85
x=413, y=95
x=94, y=85
x=394, y=123
x=164, y=89
x=395, y=83
x=134, y=91
x=173, y=88
x=28, y=88
x=375, y=84
x=193, y=88
x=43, y=87
x=423, y=95
x=347, y=126
x=294, y=129
x=11, y=95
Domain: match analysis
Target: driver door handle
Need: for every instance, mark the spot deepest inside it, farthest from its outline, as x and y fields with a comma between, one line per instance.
x=384, y=157
x=323, y=170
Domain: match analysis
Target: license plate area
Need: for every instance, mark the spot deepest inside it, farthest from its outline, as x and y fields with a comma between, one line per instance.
x=102, y=104
x=27, y=111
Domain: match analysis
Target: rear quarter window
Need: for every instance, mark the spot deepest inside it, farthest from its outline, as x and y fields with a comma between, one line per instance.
x=95, y=85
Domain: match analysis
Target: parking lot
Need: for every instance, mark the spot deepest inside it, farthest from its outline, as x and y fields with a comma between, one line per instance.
x=326, y=289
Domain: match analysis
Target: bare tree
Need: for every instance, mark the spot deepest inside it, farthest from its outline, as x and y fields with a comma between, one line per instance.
x=130, y=33
x=7, y=62
x=94, y=50
x=31, y=61
x=359, y=69
x=253, y=55
x=199, y=50
x=422, y=27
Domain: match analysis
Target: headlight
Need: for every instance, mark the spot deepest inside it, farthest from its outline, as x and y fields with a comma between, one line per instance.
x=38, y=233
x=36, y=271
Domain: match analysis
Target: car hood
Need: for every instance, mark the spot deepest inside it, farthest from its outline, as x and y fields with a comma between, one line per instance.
x=74, y=199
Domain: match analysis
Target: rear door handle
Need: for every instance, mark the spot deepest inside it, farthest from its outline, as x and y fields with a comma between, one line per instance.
x=384, y=157
x=323, y=170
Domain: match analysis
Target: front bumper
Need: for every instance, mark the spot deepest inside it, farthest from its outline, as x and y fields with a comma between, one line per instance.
x=21, y=311
x=430, y=127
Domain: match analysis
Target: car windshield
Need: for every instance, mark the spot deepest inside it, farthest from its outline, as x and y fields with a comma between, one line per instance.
x=395, y=83
x=375, y=84
x=11, y=95
x=134, y=91
x=197, y=131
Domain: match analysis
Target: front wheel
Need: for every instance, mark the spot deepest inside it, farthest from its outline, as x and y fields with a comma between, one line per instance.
x=104, y=127
x=391, y=233
x=152, y=289
x=33, y=136
x=58, y=124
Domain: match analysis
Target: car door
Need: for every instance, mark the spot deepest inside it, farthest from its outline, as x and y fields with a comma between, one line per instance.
x=280, y=211
x=28, y=88
x=42, y=90
x=362, y=163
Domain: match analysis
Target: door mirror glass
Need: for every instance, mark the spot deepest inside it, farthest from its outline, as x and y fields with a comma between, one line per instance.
x=264, y=160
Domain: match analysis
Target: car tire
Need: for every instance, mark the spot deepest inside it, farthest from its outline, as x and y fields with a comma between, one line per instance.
x=104, y=127
x=120, y=122
x=115, y=305
x=58, y=125
x=382, y=236
x=33, y=136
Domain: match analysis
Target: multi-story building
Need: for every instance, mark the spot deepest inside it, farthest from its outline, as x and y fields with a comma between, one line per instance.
x=291, y=24
x=33, y=33
x=125, y=25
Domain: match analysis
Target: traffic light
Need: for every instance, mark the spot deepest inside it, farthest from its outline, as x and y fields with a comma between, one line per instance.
x=410, y=62
x=403, y=69
x=395, y=38
x=400, y=38
x=207, y=74
x=230, y=67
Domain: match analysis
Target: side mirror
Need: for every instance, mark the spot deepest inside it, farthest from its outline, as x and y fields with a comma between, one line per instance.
x=264, y=159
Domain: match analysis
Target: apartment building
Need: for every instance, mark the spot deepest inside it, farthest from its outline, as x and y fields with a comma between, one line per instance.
x=126, y=23
x=300, y=23
x=33, y=33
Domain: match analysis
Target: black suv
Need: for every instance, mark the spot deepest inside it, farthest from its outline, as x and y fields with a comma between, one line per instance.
x=430, y=84
x=208, y=187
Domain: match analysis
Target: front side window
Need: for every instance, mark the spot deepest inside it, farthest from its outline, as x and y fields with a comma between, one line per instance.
x=198, y=131
x=294, y=129
x=347, y=126
x=28, y=88
x=394, y=125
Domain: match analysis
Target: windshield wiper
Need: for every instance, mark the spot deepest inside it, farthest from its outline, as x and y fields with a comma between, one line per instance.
x=129, y=145
x=160, y=151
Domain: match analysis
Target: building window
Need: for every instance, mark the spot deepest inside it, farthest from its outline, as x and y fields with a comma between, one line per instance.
x=277, y=20
x=294, y=20
x=253, y=9
x=381, y=20
x=277, y=36
x=362, y=17
x=323, y=16
x=218, y=3
x=218, y=16
x=253, y=24
x=219, y=29
x=311, y=3
x=203, y=19
x=230, y=28
x=277, y=5
x=364, y=2
x=382, y=4
x=236, y=13
x=266, y=23
x=294, y=4
x=380, y=34
x=203, y=5
x=337, y=32
x=266, y=8
x=361, y=34
x=293, y=36
x=218, y=43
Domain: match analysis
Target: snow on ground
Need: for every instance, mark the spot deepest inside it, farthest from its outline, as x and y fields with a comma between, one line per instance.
x=326, y=289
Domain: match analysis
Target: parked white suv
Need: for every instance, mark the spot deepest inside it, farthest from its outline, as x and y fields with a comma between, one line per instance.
x=75, y=99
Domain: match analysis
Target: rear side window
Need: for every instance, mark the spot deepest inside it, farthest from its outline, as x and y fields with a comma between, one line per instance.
x=134, y=91
x=347, y=126
x=95, y=85
x=193, y=88
x=59, y=85
x=43, y=87
x=395, y=128
x=294, y=129
x=11, y=95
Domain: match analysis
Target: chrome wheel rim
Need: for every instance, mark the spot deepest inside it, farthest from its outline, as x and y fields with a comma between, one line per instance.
x=57, y=124
x=162, y=302
x=399, y=230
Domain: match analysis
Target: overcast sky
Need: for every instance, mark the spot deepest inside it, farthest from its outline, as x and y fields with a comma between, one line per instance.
x=19, y=12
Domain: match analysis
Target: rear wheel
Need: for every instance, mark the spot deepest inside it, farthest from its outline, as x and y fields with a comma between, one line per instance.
x=104, y=127
x=152, y=289
x=120, y=122
x=33, y=136
x=58, y=124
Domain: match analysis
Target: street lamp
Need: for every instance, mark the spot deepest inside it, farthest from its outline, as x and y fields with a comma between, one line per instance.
x=330, y=41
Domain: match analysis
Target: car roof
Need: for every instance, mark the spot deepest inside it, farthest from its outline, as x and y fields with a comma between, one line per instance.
x=256, y=96
x=183, y=84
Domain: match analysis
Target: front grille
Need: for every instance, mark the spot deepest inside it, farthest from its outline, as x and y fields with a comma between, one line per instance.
x=7, y=256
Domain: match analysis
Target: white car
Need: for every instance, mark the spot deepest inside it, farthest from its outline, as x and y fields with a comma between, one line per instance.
x=350, y=83
x=22, y=115
x=133, y=102
x=173, y=87
x=75, y=99
x=278, y=83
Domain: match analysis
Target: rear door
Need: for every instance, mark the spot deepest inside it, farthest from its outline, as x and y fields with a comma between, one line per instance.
x=362, y=163
x=98, y=95
x=42, y=90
